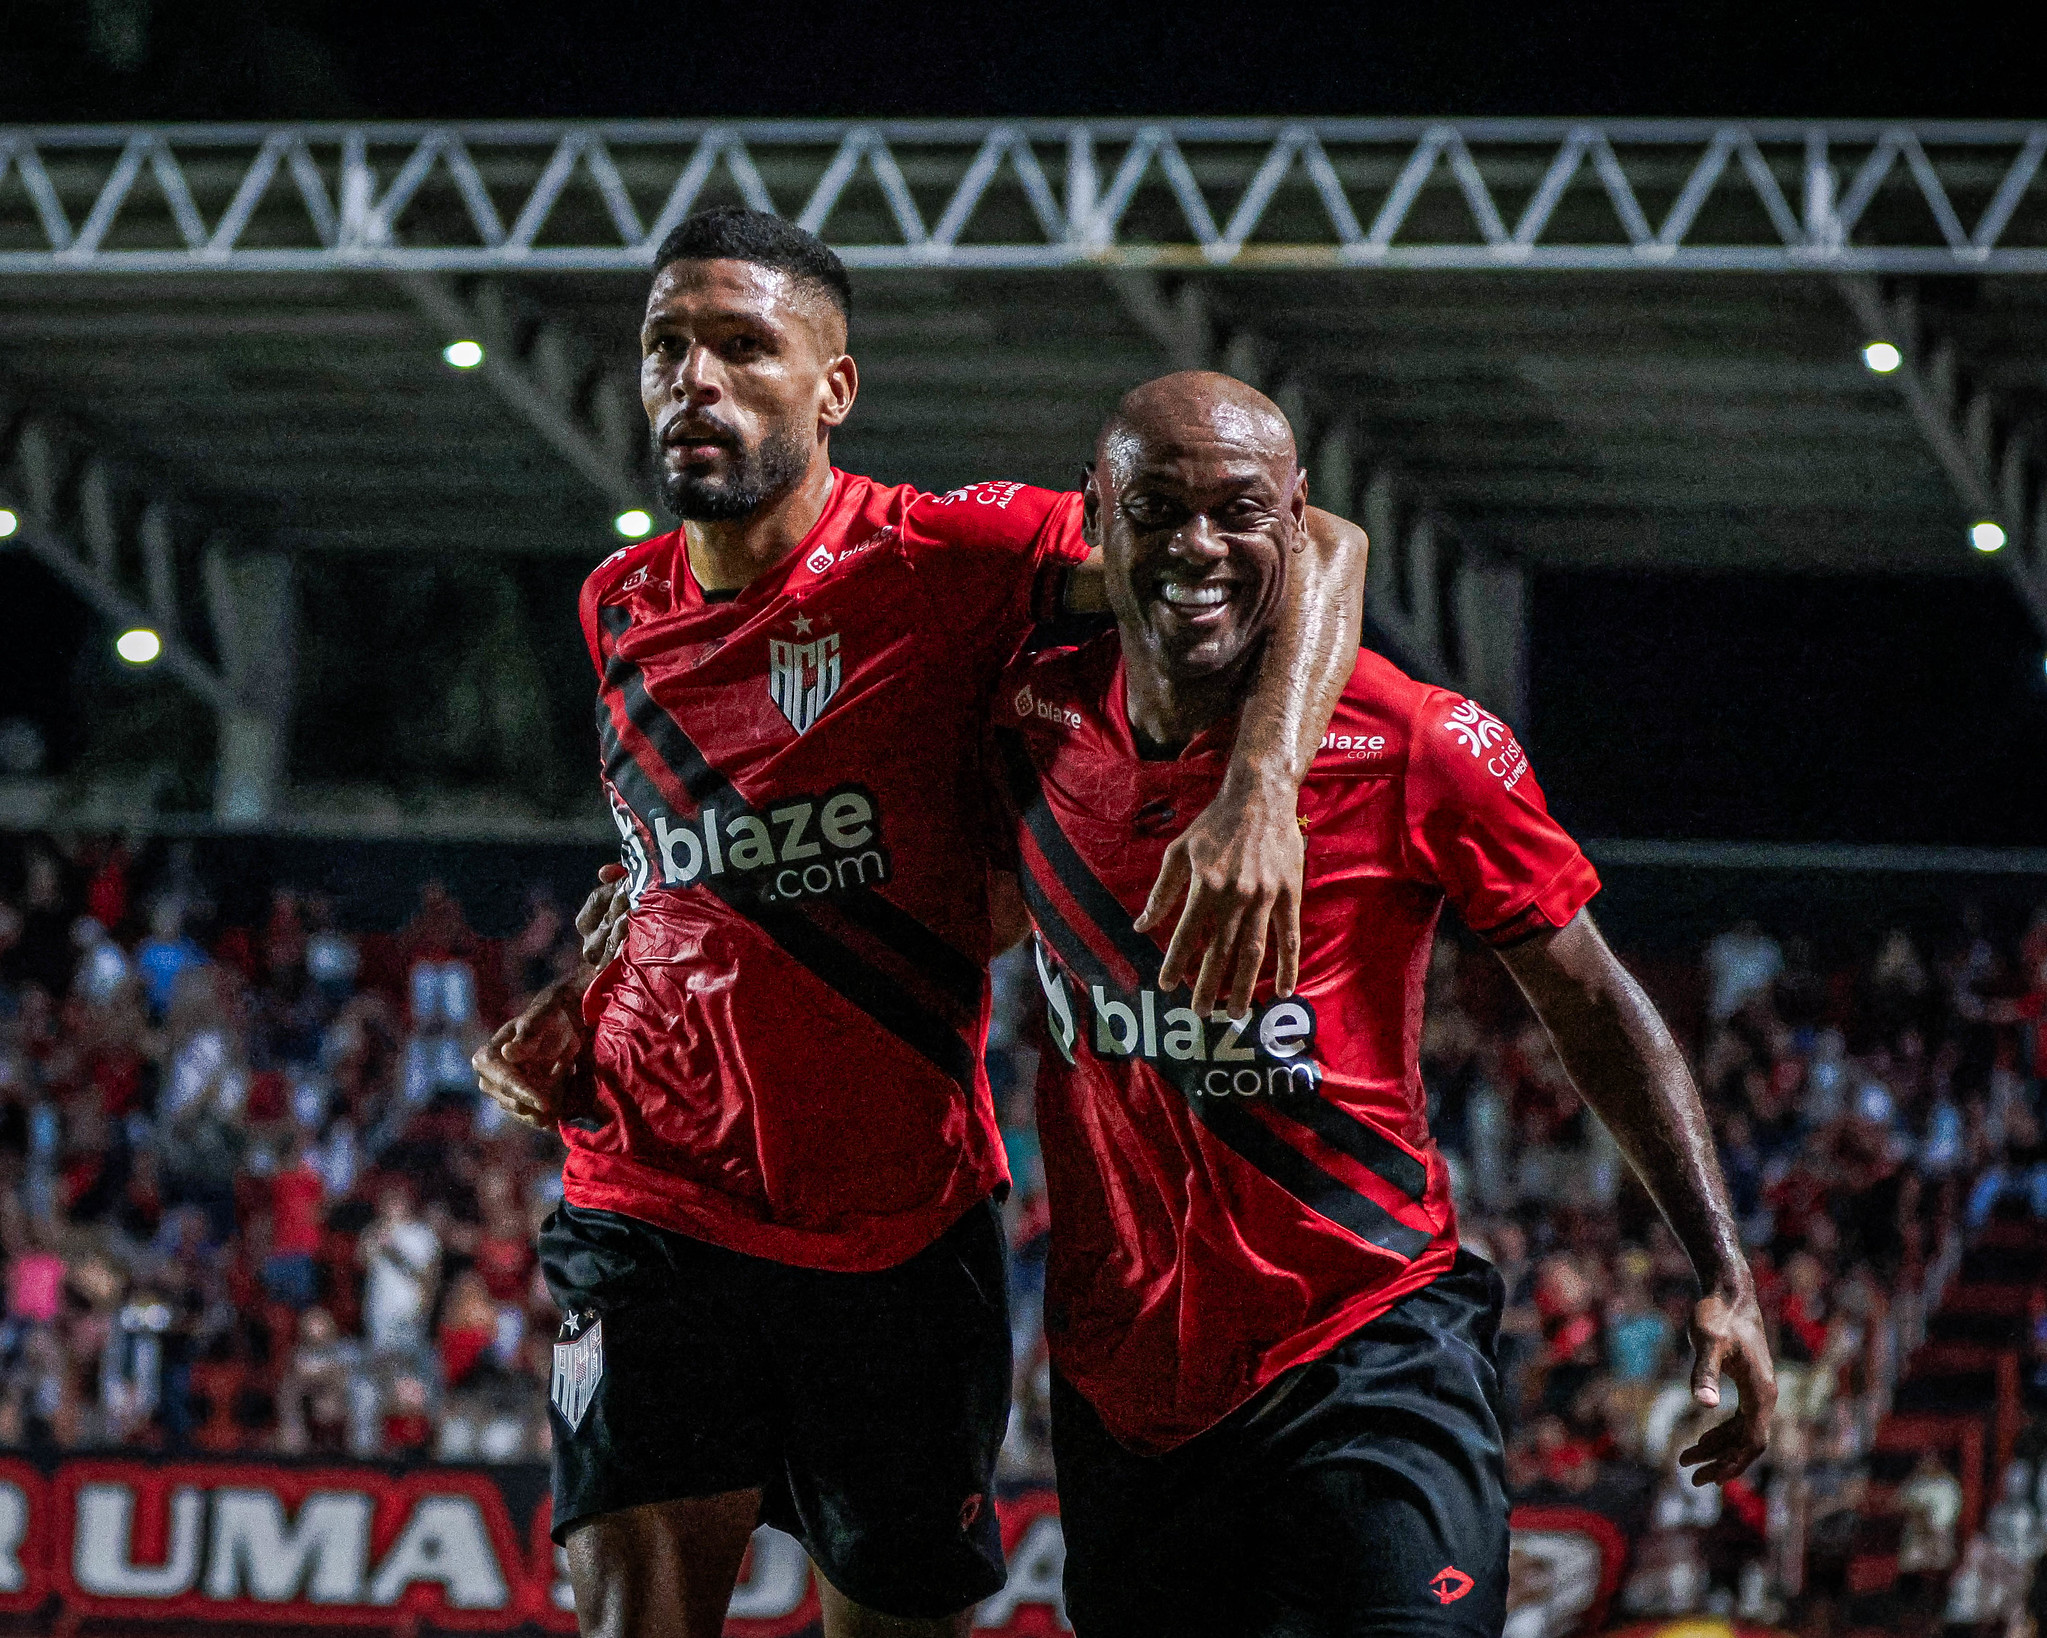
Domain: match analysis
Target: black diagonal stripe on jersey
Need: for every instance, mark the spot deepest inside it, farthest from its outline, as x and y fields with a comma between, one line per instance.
x=923, y=949
x=1094, y=900
x=1231, y=1121
x=839, y=968
x=1068, y=945
x=927, y=954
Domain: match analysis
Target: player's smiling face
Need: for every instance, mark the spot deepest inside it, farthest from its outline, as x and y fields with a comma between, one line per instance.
x=743, y=372
x=1194, y=526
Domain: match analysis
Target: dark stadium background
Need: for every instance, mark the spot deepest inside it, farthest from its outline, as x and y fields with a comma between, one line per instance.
x=1821, y=708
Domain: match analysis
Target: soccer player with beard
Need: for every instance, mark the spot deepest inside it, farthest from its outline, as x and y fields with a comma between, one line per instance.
x=1274, y=1400
x=778, y=1253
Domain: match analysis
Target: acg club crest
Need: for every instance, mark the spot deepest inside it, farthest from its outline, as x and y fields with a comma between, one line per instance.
x=578, y=1366
x=803, y=673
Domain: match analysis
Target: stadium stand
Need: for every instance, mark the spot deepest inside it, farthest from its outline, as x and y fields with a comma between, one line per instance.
x=252, y=1205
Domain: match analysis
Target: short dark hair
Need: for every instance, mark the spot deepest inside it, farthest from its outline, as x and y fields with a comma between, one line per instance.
x=734, y=233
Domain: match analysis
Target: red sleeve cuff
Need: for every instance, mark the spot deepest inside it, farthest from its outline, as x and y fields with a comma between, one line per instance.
x=1555, y=903
x=1060, y=546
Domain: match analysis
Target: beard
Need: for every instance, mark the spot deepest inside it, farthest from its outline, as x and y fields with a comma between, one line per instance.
x=756, y=475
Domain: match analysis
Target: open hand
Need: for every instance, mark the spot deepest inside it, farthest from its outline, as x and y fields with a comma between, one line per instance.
x=1727, y=1337
x=1238, y=870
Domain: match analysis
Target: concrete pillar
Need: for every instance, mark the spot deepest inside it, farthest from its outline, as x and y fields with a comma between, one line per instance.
x=1492, y=616
x=254, y=604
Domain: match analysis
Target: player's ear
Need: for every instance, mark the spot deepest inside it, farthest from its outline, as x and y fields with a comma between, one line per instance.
x=1299, y=505
x=1090, y=506
x=841, y=387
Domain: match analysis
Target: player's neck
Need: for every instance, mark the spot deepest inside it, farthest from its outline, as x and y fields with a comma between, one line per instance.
x=1166, y=711
x=726, y=554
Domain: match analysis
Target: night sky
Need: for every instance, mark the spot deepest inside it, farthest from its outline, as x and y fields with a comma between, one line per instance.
x=1841, y=708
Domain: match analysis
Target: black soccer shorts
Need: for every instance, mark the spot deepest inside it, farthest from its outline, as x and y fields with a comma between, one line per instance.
x=868, y=1408
x=1361, y=1493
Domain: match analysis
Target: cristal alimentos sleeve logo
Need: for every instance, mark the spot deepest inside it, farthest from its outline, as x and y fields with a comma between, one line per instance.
x=1476, y=728
x=1486, y=737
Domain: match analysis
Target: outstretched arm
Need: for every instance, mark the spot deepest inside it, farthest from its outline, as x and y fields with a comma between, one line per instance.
x=1625, y=1065
x=1235, y=872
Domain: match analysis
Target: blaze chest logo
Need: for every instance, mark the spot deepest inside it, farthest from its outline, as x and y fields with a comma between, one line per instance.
x=1268, y=1052
x=803, y=673
x=1450, y=1584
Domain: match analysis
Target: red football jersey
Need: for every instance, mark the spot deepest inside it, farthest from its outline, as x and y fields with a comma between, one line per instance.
x=787, y=1057
x=1231, y=1198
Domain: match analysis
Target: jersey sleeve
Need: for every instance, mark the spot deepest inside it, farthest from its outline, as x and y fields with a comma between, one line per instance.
x=1001, y=738
x=1478, y=825
x=995, y=554
x=617, y=573
x=586, y=609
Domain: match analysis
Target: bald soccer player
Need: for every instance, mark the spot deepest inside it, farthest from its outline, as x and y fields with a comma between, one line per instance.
x=1274, y=1402
x=778, y=1255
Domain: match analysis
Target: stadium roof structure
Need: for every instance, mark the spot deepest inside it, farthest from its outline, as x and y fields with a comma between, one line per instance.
x=1508, y=344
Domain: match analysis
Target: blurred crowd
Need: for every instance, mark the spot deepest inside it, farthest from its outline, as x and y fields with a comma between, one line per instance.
x=250, y=1201
x=249, y=1198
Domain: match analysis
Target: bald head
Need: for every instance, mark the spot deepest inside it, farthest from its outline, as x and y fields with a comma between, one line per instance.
x=1196, y=499
x=1194, y=409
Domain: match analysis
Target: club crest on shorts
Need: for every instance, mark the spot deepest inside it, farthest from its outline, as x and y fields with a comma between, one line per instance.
x=803, y=674
x=578, y=1366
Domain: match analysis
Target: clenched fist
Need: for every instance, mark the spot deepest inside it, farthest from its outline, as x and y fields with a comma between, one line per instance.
x=526, y=1066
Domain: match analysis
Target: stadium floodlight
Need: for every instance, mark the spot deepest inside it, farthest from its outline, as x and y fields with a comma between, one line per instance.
x=463, y=355
x=138, y=645
x=633, y=524
x=1986, y=536
x=8, y=523
x=1882, y=357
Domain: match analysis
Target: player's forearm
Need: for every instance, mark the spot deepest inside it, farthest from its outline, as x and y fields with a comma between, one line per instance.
x=1308, y=659
x=1632, y=1075
x=1620, y=1057
x=1087, y=587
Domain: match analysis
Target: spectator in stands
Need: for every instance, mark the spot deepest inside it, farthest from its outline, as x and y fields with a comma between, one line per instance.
x=35, y=1274
x=39, y=951
x=1638, y=1334
x=408, y=1428
x=401, y=1258
x=297, y=1208
x=200, y=1148
x=438, y=946
x=331, y=956
x=1931, y=1502
x=315, y=1397
x=1742, y=962
x=469, y=1328
x=166, y=955
x=103, y=965
x=441, y=980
